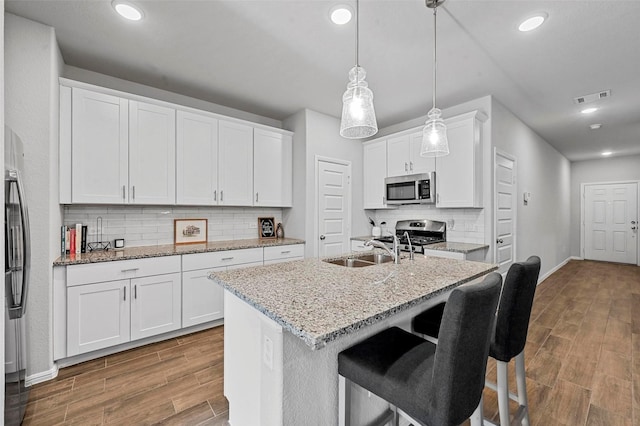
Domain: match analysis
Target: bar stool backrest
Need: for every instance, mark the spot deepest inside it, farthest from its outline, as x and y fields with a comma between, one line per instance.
x=462, y=351
x=514, y=310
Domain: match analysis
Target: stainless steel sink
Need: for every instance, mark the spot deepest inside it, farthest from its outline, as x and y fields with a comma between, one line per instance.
x=362, y=261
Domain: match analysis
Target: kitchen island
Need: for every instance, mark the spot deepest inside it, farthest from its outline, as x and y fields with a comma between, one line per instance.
x=285, y=325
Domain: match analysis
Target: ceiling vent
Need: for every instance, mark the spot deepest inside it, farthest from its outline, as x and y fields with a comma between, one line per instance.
x=592, y=97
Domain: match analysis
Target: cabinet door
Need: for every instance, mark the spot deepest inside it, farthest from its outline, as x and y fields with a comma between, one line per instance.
x=97, y=316
x=99, y=156
x=235, y=171
x=272, y=169
x=202, y=299
x=155, y=305
x=197, y=159
x=152, y=150
x=417, y=163
x=459, y=174
x=398, y=150
x=375, y=171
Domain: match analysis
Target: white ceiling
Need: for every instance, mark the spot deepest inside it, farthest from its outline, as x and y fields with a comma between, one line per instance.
x=275, y=57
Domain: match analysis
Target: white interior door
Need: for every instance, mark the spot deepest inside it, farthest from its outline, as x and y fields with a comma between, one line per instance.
x=610, y=213
x=505, y=210
x=334, y=207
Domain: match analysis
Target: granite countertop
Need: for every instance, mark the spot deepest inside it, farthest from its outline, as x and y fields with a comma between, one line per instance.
x=445, y=246
x=318, y=301
x=169, y=250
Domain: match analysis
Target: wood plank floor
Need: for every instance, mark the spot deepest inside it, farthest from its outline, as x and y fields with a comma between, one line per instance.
x=582, y=362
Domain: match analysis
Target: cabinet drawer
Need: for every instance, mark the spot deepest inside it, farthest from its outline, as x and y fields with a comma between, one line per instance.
x=122, y=269
x=283, y=252
x=192, y=262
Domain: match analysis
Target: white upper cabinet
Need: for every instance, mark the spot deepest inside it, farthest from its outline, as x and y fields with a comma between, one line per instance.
x=272, y=168
x=459, y=174
x=235, y=171
x=120, y=148
x=99, y=148
x=152, y=154
x=375, y=171
x=404, y=155
x=197, y=159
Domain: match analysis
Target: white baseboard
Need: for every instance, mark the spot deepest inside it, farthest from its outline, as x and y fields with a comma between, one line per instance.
x=576, y=258
x=560, y=265
x=42, y=376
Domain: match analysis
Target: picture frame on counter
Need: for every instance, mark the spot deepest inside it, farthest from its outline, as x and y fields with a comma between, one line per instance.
x=190, y=231
x=266, y=228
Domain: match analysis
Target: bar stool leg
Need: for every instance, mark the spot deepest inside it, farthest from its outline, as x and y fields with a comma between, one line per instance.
x=477, y=418
x=521, y=382
x=503, y=392
x=344, y=401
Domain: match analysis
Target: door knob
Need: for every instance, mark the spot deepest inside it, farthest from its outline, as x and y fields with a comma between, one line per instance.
x=500, y=241
x=322, y=237
x=634, y=228
x=633, y=222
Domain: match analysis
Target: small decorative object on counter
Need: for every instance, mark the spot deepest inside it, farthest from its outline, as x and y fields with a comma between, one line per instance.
x=99, y=245
x=279, y=231
x=118, y=243
x=266, y=228
x=190, y=231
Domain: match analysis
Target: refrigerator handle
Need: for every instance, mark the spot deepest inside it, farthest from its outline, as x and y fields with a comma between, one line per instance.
x=13, y=176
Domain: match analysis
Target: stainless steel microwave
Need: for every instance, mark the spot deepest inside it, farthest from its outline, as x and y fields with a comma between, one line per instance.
x=411, y=189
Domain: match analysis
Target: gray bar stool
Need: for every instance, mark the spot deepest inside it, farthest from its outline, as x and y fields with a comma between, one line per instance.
x=431, y=384
x=512, y=324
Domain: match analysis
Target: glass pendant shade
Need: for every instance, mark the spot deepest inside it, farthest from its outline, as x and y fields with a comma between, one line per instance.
x=434, y=136
x=358, y=115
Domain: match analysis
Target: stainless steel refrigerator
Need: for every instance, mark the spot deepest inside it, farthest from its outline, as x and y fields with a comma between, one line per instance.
x=16, y=278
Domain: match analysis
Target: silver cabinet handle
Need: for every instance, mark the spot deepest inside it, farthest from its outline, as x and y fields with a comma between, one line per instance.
x=123, y=191
x=125, y=293
x=438, y=198
x=135, y=291
x=406, y=167
x=130, y=269
x=256, y=197
x=221, y=195
x=384, y=200
x=285, y=251
x=322, y=237
x=133, y=192
x=215, y=195
x=411, y=165
x=227, y=258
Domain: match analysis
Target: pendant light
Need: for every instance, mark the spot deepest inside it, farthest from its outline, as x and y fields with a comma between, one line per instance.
x=434, y=134
x=358, y=115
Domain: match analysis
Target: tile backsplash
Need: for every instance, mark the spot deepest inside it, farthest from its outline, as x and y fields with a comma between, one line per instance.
x=463, y=225
x=153, y=225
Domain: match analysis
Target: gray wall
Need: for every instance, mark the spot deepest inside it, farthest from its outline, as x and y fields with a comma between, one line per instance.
x=597, y=171
x=114, y=83
x=319, y=134
x=33, y=66
x=543, y=225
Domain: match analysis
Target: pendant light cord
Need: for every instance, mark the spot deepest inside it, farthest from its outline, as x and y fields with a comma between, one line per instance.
x=357, y=32
x=435, y=56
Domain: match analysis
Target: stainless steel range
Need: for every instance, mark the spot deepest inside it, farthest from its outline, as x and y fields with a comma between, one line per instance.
x=421, y=233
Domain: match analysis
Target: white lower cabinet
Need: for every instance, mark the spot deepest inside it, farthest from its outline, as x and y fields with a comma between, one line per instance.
x=155, y=305
x=97, y=316
x=130, y=307
x=202, y=299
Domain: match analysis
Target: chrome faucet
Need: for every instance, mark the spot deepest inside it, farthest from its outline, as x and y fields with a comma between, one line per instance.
x=395, y=253
x=406, y=234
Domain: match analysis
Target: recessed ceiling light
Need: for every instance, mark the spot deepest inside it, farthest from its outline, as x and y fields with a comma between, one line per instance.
x=128, y=10
x=589, y=110
x=532, y=23
x=341, y=14
x=595, y=126
x=606, y=153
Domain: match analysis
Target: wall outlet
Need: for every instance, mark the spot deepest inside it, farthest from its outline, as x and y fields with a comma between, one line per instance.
x=267, y=352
